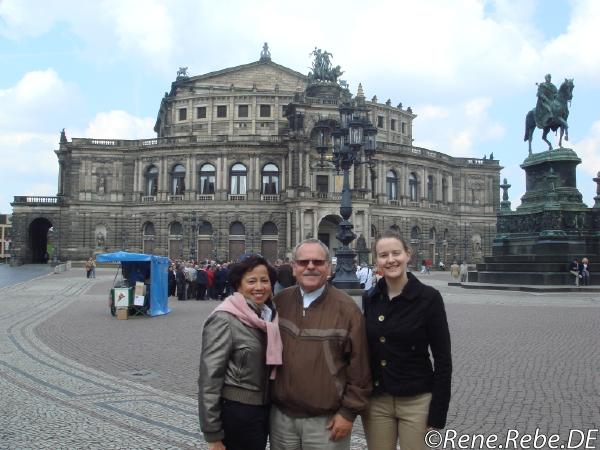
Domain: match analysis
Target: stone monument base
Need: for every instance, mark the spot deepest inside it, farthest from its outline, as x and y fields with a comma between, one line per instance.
x=552, y=226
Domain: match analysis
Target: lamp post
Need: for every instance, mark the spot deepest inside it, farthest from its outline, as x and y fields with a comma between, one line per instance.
x=351, y=136
x=193, y=222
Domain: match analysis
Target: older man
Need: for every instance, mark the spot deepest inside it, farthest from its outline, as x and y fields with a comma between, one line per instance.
x=325, y=381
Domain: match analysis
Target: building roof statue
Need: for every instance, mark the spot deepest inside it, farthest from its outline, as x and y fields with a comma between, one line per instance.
x=182, y=73
x=265, y=54
x=322, y=69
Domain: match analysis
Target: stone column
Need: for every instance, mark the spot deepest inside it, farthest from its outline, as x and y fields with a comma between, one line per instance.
x=300, y=167
x=188, y=177
x=290, y=165
x=423, y=183
x=288, y=230
x=282, y=181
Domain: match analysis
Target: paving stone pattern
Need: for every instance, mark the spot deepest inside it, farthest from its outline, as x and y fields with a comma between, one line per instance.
x=72, y=376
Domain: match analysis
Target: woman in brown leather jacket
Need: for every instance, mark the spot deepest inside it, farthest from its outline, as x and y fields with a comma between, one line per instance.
x=240, y=347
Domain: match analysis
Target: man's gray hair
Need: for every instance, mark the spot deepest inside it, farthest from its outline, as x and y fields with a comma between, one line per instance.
x=311, y=241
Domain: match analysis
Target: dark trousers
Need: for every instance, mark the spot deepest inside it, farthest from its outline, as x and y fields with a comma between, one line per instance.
x=246, y=426
x=181, y=290
x=201, y=292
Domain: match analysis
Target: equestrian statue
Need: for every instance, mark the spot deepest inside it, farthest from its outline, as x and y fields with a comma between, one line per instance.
x=551, y=111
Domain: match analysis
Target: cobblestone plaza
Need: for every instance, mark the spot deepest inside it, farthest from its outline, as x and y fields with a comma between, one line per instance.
x=72, y=376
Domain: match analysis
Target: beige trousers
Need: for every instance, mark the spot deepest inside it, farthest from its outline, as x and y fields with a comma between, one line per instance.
x=391, y=419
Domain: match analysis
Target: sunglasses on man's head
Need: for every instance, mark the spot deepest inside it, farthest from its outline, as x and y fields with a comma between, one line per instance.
x=306, y=262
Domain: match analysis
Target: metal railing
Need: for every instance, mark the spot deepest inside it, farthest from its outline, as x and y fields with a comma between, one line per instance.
x=174, y=140
x=237, y=197
x=270, y=198
x=36, y=200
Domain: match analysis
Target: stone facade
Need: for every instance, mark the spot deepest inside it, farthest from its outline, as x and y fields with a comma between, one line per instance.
x=234, y=169
x=5, y=236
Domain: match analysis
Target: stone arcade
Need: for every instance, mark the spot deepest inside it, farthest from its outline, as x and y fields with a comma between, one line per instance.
x=234, y=169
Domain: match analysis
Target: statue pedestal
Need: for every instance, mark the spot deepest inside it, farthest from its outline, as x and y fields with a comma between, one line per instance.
x=551, y=227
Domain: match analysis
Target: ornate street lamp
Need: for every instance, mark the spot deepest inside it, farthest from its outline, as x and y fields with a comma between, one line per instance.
x=194, y=222
x=353, y=134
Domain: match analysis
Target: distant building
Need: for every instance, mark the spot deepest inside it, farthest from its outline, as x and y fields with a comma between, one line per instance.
x=234, y=169
x=5, y=236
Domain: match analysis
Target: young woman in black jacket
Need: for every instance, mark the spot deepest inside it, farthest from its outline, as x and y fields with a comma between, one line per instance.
x=406, y=320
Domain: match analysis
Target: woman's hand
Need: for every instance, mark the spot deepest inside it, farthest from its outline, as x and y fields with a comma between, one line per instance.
x=217, y=445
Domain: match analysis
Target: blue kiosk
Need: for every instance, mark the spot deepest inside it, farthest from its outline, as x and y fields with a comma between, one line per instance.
x=144, y=268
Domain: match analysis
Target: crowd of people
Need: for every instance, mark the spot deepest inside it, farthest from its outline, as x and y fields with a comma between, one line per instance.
x=297, y=367
x=209, y=280
x=189, y=280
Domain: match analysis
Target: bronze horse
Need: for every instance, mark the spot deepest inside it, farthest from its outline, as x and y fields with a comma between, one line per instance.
x=560, y=114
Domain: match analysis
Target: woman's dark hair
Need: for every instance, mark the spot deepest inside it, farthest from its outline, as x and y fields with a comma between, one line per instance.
x=237, y=270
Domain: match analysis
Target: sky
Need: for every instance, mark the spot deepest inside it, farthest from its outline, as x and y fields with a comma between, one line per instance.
x=467, y=68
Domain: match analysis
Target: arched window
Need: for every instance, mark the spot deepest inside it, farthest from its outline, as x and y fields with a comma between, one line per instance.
x=237, y=229
x=395, y=229
x=175, y=240
x=178, y=180
x=207, y=179
x=151, y=181
x=269, y=229
x=148, y=233
x=206, y=241
x=148, y=229
x=373, y=232
x=444, y=190
x=415, y=233
x=412, y=187
x=268, y=243
x=432, y=234
x=205, y=228
x=392, y=185
x=176, y=229
x=430, y=188
x=238, y=179
x=270, y=180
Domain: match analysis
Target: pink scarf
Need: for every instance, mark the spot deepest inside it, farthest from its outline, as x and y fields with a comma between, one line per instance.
x=236, y=305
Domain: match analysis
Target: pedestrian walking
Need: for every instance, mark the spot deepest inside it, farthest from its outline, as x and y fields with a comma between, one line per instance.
x=464, y=272
x=88, y=268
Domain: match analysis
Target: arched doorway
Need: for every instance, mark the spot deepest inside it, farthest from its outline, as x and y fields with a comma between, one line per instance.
x=237, y=240
x=39, y=250
x=269, y=233
x=328, y=228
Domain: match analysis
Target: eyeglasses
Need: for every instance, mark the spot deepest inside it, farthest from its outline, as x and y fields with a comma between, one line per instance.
x=306, y=262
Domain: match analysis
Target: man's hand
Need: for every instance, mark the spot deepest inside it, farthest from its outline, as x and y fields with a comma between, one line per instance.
x=340, y=427
x=217, y=445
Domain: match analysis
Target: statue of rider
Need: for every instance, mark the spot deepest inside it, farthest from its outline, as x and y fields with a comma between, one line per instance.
x=546, y=95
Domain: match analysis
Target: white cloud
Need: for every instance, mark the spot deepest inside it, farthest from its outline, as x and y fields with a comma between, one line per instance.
x=151, y=33
x=39, y=97
x=588, y=150
x=577, y=49
x=458, y=129
x=119, y=125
